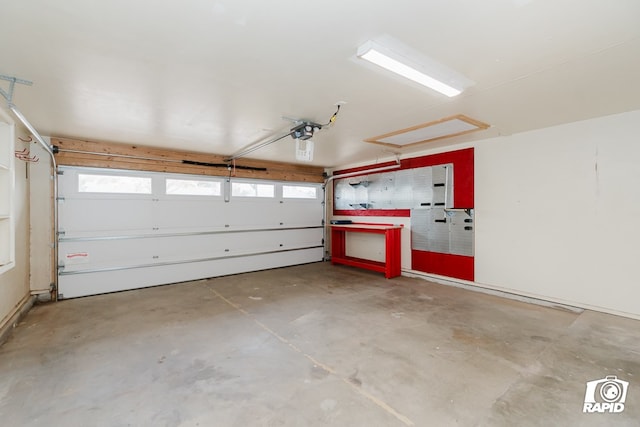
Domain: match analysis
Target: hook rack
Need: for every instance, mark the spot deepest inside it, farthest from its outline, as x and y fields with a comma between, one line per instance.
x=25, y=155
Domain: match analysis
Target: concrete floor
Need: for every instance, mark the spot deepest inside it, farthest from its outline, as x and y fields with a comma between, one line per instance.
x=312, y=345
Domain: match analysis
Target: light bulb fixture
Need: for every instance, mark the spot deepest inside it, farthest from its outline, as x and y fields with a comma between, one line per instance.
x=409, y=64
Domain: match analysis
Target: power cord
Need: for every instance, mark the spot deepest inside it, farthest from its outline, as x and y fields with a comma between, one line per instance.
x=333, y=118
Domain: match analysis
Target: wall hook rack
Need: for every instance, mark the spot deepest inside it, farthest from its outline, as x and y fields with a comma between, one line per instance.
x=25, y=155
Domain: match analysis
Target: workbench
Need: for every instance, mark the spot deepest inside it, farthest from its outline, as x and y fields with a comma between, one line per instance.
x=392, y=238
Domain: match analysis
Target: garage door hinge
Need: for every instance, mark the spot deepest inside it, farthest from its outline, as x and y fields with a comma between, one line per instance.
x=61, y=233
x=59, y=172
x=60, y=199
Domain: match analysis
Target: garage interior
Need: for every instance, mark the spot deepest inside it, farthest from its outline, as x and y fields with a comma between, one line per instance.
x=233, y=213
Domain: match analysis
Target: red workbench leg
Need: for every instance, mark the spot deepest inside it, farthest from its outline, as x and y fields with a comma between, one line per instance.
x=392, y=253
x=397, y=253
x=338, y=247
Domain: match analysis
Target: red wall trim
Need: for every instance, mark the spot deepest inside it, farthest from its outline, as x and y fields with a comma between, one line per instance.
x=374, y=212
x=363, y=169
x=459, y=266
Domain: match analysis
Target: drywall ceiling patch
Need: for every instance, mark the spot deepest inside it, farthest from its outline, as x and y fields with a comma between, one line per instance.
x=431, y=131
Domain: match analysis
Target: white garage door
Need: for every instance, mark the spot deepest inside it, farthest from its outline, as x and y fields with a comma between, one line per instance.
x=124, y=230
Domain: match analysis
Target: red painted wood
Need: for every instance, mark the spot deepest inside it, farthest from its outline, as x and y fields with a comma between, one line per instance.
x=392, y=236
x=363, y=169
x=375, y=212
x=392, y=252
x=458, y=266
x=338, y=244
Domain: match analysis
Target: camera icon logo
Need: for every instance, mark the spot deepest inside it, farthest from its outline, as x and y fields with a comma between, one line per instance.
x=605, y=395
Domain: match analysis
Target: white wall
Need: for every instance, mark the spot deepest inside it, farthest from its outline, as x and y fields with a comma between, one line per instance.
x=40, y=201
x=14, y=283
x=558, y=212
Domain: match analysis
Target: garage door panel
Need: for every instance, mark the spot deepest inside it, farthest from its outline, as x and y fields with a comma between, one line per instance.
x=86, y=215
x=108, y=240
x=82, y=284
x=83, y=255
x=191, y=214
x=301, y=213
x=256, y=213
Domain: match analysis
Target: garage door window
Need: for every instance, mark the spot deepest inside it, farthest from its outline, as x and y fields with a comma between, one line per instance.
x=189, y=187
x=299, y=192
x=113, y=184
x=250, y=189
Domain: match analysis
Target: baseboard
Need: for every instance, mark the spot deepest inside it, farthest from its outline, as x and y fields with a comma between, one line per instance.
x=473, y=286
x=12, y=320
x=508, y=293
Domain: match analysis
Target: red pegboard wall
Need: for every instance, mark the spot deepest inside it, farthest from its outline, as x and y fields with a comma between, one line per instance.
x=458, y=266
x=462, y=177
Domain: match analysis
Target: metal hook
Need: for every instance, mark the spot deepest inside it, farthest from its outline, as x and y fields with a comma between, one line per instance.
x=25, y=155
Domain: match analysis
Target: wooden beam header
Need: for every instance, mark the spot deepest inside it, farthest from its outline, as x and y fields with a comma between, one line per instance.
x=72, y=152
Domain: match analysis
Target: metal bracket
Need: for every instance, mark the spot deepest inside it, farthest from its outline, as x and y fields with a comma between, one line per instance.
x=12, y=82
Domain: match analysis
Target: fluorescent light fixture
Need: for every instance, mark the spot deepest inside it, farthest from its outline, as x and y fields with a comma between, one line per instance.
x=421, y=70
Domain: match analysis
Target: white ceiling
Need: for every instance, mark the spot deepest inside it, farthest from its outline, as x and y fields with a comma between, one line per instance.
x=215, y=76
